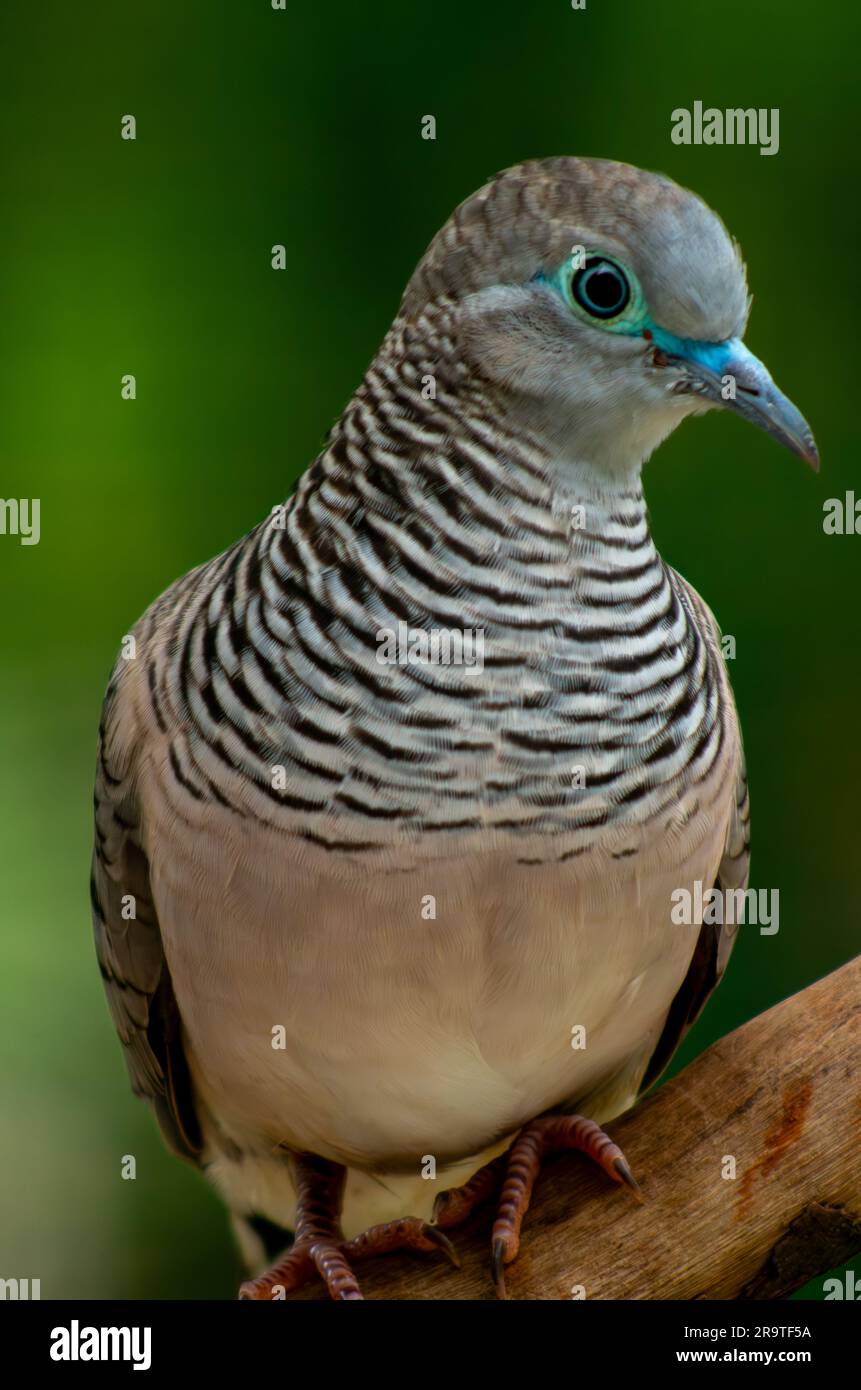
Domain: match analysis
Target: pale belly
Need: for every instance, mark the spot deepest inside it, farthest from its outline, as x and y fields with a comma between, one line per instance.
x=337, y=1009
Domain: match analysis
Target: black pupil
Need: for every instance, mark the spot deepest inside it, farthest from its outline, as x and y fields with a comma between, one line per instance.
x=601, y=289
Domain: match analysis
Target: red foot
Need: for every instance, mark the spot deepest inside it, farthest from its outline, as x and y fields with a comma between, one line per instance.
x=515, y=1173
x=320, y=1249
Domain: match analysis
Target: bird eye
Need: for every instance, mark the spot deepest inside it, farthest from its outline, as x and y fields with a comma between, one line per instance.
x=601, y=288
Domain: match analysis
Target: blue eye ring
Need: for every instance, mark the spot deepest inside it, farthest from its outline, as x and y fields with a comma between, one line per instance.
x=601, y=288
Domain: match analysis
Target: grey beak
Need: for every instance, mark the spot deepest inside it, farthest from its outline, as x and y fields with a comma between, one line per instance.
x=730, y=375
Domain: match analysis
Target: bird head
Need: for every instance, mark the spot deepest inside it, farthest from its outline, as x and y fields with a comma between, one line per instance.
x=600, y=305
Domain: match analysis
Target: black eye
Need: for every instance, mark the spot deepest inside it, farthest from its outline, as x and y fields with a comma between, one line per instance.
x=601, y=288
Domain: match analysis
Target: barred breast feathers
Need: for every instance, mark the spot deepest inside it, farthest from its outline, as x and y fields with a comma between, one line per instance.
x=426, y=511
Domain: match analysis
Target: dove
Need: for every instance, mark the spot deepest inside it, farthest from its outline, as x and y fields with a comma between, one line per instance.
x=378, y=934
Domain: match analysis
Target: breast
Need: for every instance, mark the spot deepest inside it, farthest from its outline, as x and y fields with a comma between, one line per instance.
x=386, y=955
x=375, y=1014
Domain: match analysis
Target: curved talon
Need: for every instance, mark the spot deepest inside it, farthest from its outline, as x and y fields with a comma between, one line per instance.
x=441, y=1212
x=497, y=1267
x=627, y=1177
x=440, y=1239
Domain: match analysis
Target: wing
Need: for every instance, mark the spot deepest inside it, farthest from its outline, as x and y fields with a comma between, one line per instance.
x=128, y=940
x=715, y=941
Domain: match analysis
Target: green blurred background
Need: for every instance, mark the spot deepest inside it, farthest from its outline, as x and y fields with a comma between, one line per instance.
x=153, y=257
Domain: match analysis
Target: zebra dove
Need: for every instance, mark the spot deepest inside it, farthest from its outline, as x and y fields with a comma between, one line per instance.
x=355, y=895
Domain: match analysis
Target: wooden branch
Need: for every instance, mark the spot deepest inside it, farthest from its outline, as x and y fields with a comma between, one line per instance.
x=781, y=1095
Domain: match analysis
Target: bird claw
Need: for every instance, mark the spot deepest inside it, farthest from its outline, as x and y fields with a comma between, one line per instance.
x=332, y=1260
x=515, y=1173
